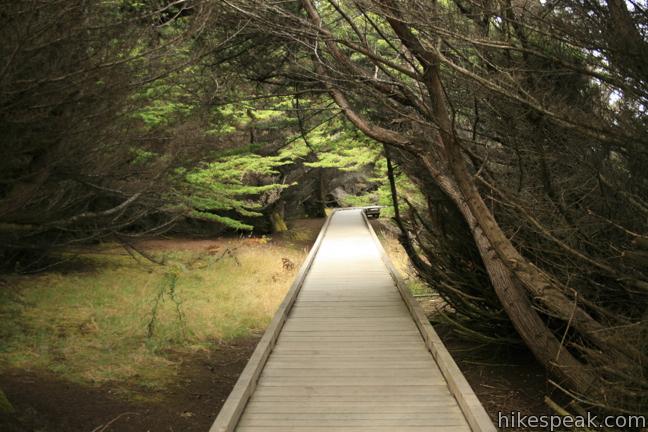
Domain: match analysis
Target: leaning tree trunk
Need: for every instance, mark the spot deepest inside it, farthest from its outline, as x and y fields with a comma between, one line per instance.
x=526, y=320
x=532, y=279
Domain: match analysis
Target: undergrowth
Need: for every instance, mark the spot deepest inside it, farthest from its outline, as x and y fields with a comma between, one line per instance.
x=118, y=319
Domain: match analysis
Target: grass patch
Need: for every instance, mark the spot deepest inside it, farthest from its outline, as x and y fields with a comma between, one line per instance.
x=402, y=262
x=96, y=325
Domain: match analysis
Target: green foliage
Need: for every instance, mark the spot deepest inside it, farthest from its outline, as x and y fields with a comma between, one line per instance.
x=162, y=104
x=382, y=195
x=230, y=117
x=345, y=159
x=228, y=184
x=338, y=145
x=142, y=156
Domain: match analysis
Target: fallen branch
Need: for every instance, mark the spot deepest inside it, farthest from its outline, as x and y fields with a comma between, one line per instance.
x=104, y=427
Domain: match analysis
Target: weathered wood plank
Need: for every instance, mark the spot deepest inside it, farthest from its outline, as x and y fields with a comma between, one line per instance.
x=401, y=428
x=348, y=381
x=353, y=419
x=300, y=405
x=437, y=398
x=350, y=332
x=377, y=372
x=368, y=391
x=335, y=363
x=306, y=356
x=354, y=338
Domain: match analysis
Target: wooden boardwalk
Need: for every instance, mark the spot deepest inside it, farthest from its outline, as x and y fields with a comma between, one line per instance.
x=350, y=350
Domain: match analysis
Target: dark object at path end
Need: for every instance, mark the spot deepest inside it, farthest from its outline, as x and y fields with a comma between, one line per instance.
x=372, y=212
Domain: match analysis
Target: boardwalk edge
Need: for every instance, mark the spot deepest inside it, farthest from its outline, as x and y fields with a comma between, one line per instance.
x=232, y=409
x=476, y=416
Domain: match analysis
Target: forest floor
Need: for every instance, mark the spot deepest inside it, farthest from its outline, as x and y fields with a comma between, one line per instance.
x=100, y=368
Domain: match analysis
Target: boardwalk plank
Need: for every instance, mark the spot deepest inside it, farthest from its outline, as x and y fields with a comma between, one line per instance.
x=349, y=355
x=401, y=428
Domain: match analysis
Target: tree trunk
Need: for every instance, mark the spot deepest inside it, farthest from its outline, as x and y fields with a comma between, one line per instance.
x=527, y=322
x=277, y=218
x=404, y=238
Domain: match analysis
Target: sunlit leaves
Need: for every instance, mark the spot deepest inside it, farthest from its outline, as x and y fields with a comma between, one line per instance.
x=231, y=184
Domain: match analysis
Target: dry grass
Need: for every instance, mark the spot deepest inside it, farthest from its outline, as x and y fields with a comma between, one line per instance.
x=93, y=326
x=426, y=296
x=401, y=261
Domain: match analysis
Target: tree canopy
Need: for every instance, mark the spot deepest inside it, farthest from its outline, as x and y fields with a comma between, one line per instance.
x=514, y=134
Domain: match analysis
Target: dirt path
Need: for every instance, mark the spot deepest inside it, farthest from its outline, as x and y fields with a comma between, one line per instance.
x=46, y=403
